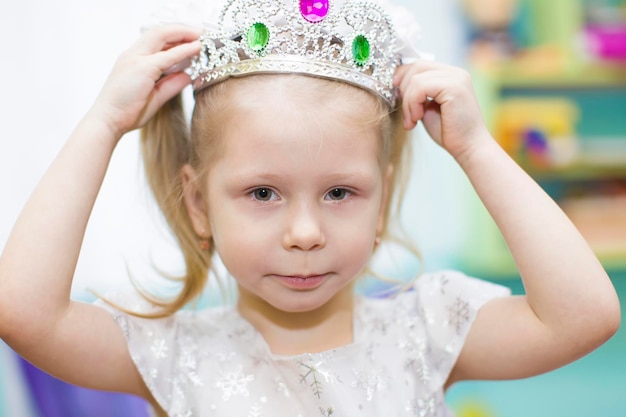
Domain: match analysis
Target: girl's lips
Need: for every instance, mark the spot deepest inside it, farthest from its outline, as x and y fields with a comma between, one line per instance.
x=302, y=282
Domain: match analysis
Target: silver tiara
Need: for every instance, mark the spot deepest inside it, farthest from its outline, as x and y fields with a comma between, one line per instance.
x=353, y=42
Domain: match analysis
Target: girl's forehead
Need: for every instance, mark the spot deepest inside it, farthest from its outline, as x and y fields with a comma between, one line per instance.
x=286, y=148
x=289, y=113
x=291, y=125
x=299, y=90
x=314, y=108
x=281, y=129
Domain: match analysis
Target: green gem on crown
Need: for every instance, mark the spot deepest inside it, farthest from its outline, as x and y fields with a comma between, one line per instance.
x=258, y=36
x=360, y=50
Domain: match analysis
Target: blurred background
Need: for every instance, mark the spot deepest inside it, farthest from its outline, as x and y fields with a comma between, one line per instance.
x=551, y=80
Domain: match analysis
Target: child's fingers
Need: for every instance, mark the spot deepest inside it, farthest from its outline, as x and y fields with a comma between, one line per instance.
x=406, y=74
x=168, y=86
x=141, y=83
x=164, y=37
x=418, y=89
x=168, y=61
x=399, y=74
x=415, y=76
x=413, y=100
x=405, y=71
x=422, y=84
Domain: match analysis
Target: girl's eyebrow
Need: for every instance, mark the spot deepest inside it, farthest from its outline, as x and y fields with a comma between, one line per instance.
x=359, y=175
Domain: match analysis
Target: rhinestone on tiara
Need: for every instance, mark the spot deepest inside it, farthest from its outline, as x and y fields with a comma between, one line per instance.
x=353, y=42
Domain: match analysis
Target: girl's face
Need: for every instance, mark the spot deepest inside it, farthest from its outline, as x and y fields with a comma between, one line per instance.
x=294, y=200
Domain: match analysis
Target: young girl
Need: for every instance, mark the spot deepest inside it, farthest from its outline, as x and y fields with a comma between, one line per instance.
x=294, y=156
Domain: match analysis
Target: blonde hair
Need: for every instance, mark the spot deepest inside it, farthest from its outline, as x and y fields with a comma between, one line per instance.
x=169, y=143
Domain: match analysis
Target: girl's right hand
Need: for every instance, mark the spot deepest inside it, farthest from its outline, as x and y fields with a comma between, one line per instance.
x=137, y=86
x=58, y=213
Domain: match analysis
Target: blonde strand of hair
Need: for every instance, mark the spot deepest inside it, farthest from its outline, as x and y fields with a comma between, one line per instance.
x=165, y=150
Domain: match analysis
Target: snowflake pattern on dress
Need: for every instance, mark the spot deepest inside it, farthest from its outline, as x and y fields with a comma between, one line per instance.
x=159, y=348
x=234, y=383
x=370, y=382
x=459, y=314
x=215, y=363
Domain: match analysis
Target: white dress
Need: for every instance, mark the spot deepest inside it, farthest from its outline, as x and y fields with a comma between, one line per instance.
x=214, y=363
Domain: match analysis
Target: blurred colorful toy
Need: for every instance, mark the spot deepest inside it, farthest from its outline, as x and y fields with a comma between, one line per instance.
x=474, y=409
x=539, y=131
x=607, y=41
x=605, y=29
x=490, y=33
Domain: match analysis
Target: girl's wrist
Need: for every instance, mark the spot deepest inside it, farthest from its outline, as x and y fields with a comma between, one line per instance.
x=97, y=127
x=476, y=149
x=100, y=124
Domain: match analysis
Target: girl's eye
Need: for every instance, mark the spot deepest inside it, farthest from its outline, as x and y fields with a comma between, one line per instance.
x=263, y=194
x=337, y=194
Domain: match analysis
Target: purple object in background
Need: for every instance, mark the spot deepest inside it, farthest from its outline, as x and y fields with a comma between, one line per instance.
x=55, y=398
x=607, y=41
x=535, y=141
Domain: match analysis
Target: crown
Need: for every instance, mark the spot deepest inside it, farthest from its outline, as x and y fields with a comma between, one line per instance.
x=353, y=42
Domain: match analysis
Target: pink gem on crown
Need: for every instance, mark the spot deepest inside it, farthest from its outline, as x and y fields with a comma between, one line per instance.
x=314, y=10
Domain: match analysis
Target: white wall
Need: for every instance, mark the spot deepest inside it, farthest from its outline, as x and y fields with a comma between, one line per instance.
x=55, y=57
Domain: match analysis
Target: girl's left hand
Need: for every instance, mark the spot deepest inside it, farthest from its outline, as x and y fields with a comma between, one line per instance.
x=443, y=98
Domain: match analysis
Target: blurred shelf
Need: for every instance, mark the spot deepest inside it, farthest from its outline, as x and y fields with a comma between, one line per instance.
x=614, y=261
x=501, y=265
x=571, y=75
x=558, y=109
x=580, y=170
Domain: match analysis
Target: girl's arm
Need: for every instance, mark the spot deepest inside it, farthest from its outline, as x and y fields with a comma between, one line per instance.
x=570, y=307
x=77, y=342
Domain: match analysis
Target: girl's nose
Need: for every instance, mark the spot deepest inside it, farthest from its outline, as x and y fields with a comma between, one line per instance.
x=304, y=229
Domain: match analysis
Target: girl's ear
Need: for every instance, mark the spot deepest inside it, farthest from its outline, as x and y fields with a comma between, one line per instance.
x=380, y=226
x=196, y=208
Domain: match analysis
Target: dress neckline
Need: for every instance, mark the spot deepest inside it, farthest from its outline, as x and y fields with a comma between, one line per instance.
x=259, y=340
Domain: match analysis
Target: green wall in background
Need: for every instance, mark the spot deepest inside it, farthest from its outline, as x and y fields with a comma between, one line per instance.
x=553, y=21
